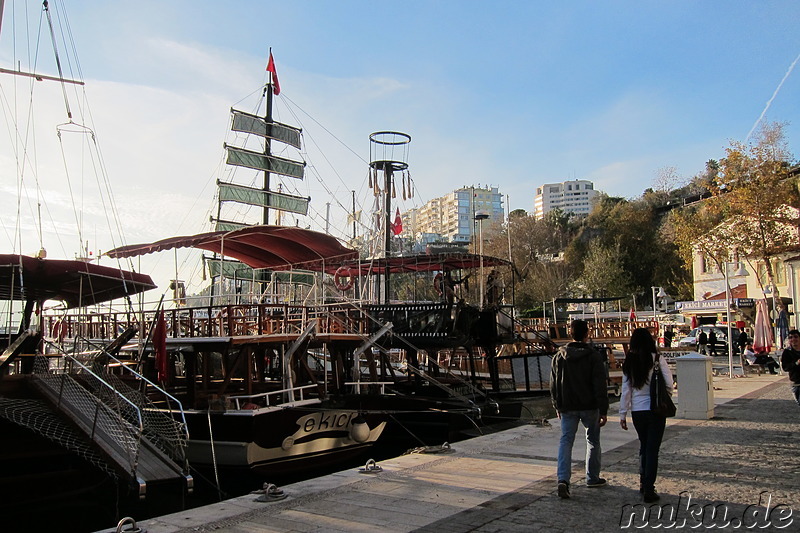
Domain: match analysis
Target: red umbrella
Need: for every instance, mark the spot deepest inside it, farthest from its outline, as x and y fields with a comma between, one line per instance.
x=694, y=321
x=632, y=316
x=762, y=330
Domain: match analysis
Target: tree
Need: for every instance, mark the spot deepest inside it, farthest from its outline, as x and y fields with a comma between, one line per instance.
x=632, y=230
x=534, y=247
x=763, y=204
x=753, y=208
x=603, y=274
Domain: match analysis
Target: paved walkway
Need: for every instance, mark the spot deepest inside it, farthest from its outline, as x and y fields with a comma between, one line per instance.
x=718, y=474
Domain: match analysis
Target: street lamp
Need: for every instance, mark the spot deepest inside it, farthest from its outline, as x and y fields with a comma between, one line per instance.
x=480, y=216
x=739, y=272
x=661, y=294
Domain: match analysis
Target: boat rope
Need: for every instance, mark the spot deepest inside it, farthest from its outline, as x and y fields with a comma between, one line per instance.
x=407, y=430
x=269, y=493
x=46, y=7
x=213, y=455
x=444, y=448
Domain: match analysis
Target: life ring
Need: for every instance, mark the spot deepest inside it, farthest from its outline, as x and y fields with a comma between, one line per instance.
x=341, y=284
x=437, y=283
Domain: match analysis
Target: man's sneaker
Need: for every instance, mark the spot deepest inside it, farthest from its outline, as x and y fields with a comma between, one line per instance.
x=599, y=482
x=563, y=489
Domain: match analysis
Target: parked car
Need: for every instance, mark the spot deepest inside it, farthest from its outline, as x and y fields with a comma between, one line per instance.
x=690, y=341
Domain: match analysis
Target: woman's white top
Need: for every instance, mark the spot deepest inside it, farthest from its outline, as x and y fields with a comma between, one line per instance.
x=634, y=399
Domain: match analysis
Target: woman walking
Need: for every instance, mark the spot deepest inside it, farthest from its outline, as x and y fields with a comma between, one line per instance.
x=636, y=373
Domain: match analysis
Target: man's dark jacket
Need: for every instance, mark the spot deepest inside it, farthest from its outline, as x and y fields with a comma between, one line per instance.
x=790, y=362
x=578, y=379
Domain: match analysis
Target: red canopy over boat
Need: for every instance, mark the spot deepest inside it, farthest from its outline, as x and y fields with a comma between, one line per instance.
x=76, y=283
x=286, y=248
x=271, y=247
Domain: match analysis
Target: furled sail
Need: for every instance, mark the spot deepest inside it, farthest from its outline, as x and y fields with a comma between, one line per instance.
x=271, y=163
x=247, y=123
x=229, y=192
x=238, y=270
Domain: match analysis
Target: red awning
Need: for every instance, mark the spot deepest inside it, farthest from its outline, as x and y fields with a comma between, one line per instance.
x=76, y=283
x=271, y=247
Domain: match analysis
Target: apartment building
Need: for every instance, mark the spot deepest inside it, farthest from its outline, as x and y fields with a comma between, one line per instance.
x=573, y=196
x=451, y=218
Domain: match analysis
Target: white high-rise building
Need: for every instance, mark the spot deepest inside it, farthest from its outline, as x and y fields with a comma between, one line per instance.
x=451, y=218
x=570, y=196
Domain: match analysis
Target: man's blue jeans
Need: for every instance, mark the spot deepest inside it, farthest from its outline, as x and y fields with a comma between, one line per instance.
x=569, y=426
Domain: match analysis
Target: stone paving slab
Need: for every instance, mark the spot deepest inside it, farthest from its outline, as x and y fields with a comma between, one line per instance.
x=506, y=481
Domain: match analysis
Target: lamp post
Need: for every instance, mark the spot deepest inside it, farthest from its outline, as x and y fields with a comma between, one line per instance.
x=480, y=216
x=661, y=294
x=739, y=272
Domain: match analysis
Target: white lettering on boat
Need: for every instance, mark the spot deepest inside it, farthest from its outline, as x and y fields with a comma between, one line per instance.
x=324, y=421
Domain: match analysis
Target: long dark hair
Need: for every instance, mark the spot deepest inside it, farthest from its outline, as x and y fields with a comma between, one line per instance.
x=639, y=360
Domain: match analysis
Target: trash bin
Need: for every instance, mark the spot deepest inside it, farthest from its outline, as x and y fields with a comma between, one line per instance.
x=695, y=387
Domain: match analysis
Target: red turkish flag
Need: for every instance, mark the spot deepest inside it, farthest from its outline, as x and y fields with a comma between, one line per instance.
x=397, y=227
x=271, y=69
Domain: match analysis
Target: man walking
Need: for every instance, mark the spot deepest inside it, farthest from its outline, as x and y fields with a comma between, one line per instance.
x=712, y=343
x=702, y=339
x=579, y=392
x=790, y=361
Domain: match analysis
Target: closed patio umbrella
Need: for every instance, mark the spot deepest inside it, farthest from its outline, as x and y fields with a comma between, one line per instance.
x=762, y=330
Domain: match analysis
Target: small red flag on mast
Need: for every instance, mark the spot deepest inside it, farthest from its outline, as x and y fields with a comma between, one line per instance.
x=397, y=227
x=271, y=69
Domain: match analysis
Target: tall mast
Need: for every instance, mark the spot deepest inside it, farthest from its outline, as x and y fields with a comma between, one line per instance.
x=388, y=154
x=267, y=141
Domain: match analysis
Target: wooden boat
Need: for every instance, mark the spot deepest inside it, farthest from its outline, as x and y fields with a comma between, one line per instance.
x=66, y=421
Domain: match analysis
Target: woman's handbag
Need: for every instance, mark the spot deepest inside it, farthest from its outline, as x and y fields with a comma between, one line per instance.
x=660, y=401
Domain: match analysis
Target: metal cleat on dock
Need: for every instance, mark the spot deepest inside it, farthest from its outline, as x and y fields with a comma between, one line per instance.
x=371, y=467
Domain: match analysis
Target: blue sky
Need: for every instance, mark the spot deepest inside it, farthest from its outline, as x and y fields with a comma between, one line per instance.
x=512, y=94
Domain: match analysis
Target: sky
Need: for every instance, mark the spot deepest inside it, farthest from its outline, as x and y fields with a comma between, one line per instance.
x=512, y=94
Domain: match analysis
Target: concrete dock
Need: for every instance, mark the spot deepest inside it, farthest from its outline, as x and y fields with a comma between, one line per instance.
x=737, y=471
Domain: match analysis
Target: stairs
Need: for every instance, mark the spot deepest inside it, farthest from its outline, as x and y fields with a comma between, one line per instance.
x=117, y=427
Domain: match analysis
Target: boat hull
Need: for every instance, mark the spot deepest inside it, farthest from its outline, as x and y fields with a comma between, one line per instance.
x=279, y=440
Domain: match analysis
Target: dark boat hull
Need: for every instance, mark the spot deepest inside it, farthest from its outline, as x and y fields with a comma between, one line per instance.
x=279, y=440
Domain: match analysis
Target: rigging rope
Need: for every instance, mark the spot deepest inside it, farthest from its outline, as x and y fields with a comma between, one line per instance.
x=46, y=8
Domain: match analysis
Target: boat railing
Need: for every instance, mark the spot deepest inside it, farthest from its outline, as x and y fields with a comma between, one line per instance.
x=106, y=416
x=213, y=321
x=599, y=331
x=359, y=385
x=250, y=401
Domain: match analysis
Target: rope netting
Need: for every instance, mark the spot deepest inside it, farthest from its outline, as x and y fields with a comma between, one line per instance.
x=36, y=416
